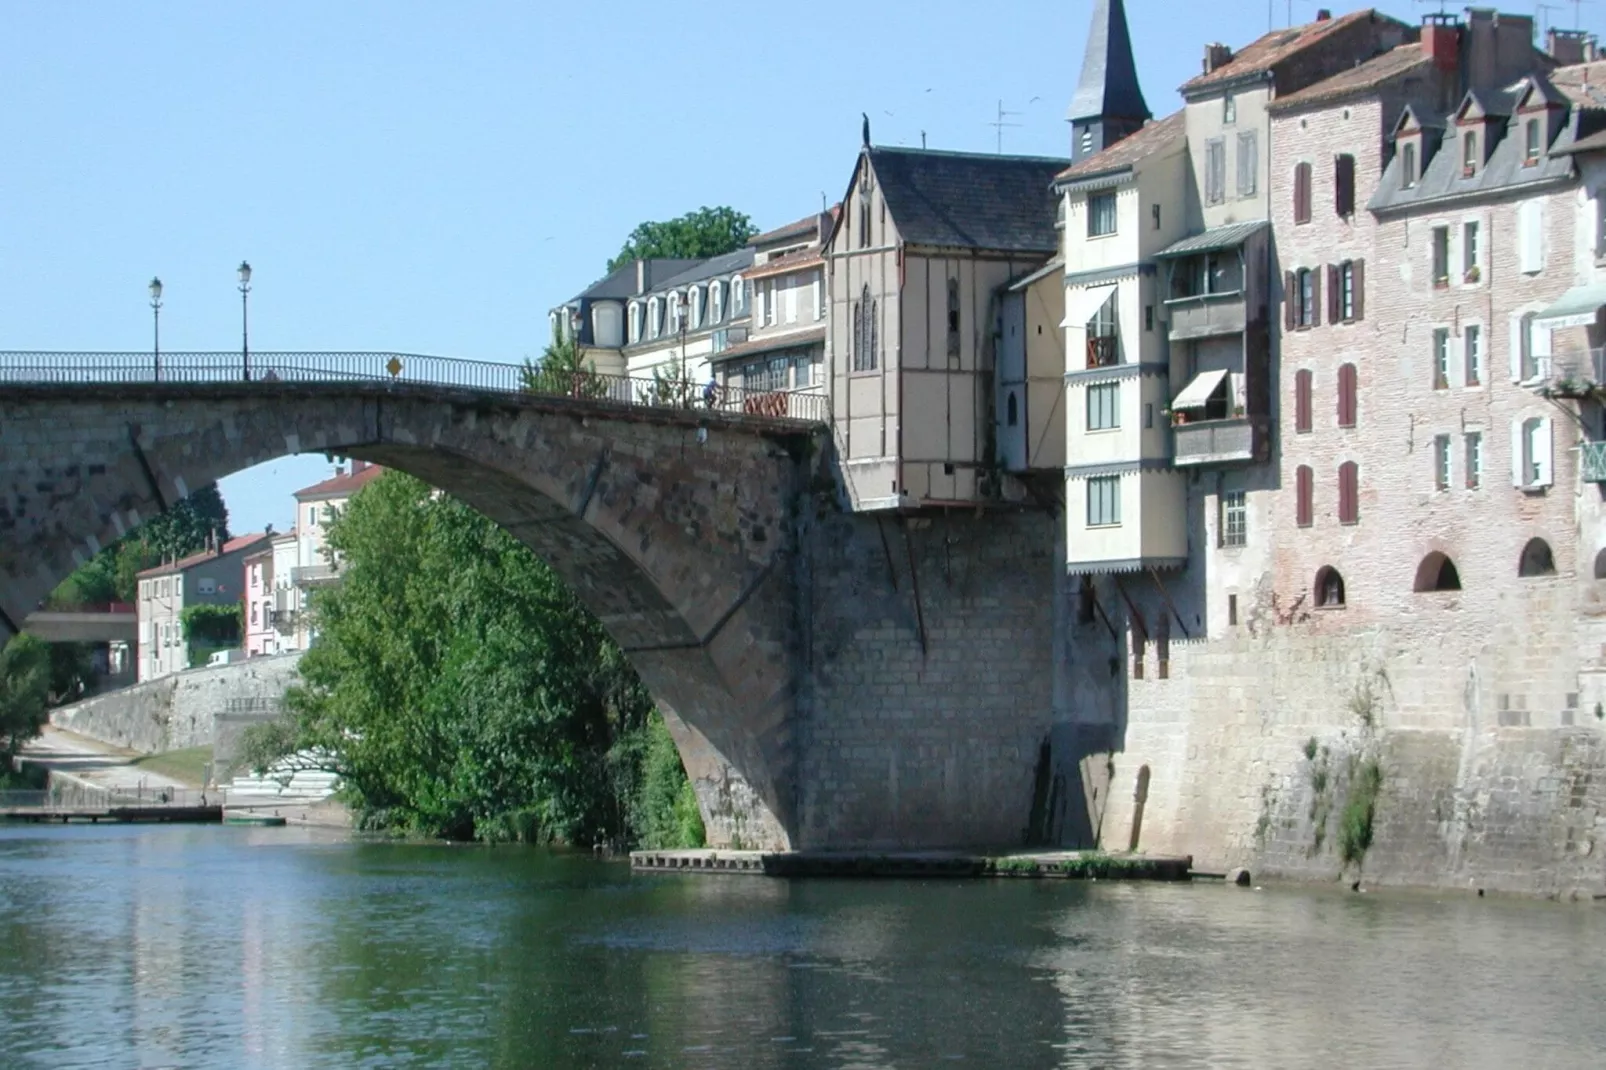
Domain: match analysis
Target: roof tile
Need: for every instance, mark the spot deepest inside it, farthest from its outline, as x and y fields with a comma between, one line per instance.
x=970, y=200
x=1129, y=150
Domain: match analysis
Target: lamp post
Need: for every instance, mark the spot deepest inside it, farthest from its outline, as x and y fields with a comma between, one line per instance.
x=680, y=323
x=245, y=320
x=574, y=342
x=156, y=327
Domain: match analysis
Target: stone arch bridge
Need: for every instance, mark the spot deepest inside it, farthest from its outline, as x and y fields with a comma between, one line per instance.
x=779, y=635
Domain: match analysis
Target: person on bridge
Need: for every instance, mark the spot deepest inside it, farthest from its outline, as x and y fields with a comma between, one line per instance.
x=711, y=391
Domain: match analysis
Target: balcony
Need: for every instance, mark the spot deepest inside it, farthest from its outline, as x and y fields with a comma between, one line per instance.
x=1592, y=462
x=1578, y=373
x=314, y=575
x=1237, y=440
x=1206, y=315
x=1103, y=350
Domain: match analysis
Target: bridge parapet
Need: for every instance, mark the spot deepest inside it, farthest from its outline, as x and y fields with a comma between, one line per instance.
x=413, y=369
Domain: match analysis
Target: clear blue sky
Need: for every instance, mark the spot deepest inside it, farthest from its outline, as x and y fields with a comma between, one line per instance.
x=432, y=177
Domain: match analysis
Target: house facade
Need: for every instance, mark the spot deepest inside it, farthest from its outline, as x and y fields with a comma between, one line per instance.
x=261, y=638
x=213, y=577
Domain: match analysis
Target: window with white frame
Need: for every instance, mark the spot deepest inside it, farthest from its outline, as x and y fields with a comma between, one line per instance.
x=205, y=585
x=676, y=309
x=1100, y=214
x=716, y=301
x=1472, y=354
x=1104, y=406
x=1441, y=358
x=768, y=299
x=1346, y=290
x=1103, y=501
x=1531, y=444
x=1531, y=236
x=1441, y=462
x=738, y=296
x=1470, y=250
x=635, y=321
x=1473, y=442
x=655, y=318
x=694, y=306
x=1530, y=348
x=1234, y=518
x=819, y=295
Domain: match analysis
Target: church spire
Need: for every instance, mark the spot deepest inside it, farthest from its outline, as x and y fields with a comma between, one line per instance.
x=1109, y=103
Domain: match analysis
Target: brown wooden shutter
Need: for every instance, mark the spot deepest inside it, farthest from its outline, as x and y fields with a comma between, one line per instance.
x=1358, y=284
x=1335, y=294
x=1302, y=193
x=1346, y=395
x=1348, y=493
x=1302, y=389
x=1344, y=186
x=1304, y=485
x=1316, y=297
x=1290, y=296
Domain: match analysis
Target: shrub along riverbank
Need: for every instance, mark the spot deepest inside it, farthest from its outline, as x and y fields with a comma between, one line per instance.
x=467, y=693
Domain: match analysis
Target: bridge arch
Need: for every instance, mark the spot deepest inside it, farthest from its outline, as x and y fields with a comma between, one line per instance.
x=673, y=527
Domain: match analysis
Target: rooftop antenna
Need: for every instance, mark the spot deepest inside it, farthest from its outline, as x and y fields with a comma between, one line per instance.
x=999, y=124
x=922, y=141
x=1439, y=2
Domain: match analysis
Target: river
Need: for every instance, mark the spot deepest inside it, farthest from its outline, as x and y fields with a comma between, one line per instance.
x=202, y=946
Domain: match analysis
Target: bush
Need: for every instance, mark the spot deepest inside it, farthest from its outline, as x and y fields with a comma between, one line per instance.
x=24, y=693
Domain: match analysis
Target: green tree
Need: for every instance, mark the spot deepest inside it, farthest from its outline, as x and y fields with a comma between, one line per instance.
x=562, y=370
x=109, y=576
x=705, y=232
x=457, y=686
x=24, y=694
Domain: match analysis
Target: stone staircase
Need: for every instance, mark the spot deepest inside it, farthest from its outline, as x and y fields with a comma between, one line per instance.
x=284, y=782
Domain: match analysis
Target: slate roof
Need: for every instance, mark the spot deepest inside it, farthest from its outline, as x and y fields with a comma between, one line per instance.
x=1582, y=84
x=1160, y=134
x=620, y=283
x=1395, y=63
x=1502, y=170
x=239, y=542
x=970, y=200
x=1109, y=83
x=708, y=269
x=1266, y=52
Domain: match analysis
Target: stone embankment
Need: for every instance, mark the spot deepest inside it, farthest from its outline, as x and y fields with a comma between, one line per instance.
x=1063, y=865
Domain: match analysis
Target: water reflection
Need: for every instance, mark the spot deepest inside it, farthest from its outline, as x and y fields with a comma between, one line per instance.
x=281, y=948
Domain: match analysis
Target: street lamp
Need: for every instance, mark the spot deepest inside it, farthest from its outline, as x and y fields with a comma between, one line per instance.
x=245, y=332
x=156, y=327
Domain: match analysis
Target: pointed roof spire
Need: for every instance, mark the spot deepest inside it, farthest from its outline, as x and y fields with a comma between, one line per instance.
x=1109, y=85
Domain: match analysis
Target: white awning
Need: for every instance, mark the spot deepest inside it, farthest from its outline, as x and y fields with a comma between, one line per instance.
x=1081, y=305
x=1197, y=393
x=1576, y=308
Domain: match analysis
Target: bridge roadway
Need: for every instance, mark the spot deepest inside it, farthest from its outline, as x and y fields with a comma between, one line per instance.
x=83, y=624
x=824, y=690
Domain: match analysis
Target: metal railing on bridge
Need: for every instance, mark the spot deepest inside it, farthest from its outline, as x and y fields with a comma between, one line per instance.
x=64, y=796
x=62, y=368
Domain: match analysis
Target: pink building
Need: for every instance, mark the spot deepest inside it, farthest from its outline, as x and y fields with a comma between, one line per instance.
x=260, y=635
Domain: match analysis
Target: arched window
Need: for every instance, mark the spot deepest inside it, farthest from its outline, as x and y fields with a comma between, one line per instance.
x=1537, y=559
x=738, y=296
x=694, y=306
x=635, y=321
x=555, y=323
x=1329, y=587
x=716, y=301
x=1437, y=573
x=1014, y=410
x=1469, y=153
x=655, y=318
x=677, y=306
x=1408, y=165
x=864, y=332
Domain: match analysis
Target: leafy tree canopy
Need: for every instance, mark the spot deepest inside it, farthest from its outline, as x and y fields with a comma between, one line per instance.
x=25, y=672
x=179, y=532
x=705, y=232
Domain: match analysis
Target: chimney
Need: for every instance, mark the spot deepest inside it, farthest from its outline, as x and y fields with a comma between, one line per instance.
x=1567, y=47
x=1322, y=14
x=1216, y=56
x=1441, y=41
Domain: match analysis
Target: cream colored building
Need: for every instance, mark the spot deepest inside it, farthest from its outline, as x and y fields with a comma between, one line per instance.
x=316, y=565
x=925, y=244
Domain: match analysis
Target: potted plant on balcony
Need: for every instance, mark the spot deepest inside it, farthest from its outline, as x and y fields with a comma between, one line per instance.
x=1237, y=412
x=1178, y=417
x=1473, y=274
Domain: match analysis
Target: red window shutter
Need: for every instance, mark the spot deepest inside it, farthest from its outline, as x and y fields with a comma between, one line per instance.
x=1302, y=413
x=1316, y=297
x=1302, y=193
x=1290, y=298
x=1304, y=484
x=1358, y=268
x=1348, y=493
x=1346, y=395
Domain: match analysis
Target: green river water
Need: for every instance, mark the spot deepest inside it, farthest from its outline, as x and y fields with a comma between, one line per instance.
x=203, y=946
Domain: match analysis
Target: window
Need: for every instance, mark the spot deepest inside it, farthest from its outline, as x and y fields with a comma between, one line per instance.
x=1302, y=193
x=1346, y=395
x=1100, y=214
x=953, y=317
x=1154, y=213
x=1229, y=109
x=1232, y=609
x=1437, y=573
x=1329, y=587
x=1103, y=345
x=819, y=297
x=1441, y=256
x=1408, y=165
x=1474, y=459
x=716, y=301
x=1441, y=358
x=655, y=318
x=694, y=302
x=1344, y=185
x=253, y=614
x=1469, y=153
x=1104, y=407
x=1530, y=152
x=1441, y=462
x=312, y=516
x=677, y=308
x=205, y=585
x=768, y=300
x=1349, y=493
x=1304, y=489
x=1469, y=250
x=1148, y=317
x=1530, y=452
x=1248, y=163
x=1530, y=346
x=1234, y=518
x=864, y=216
x=738, y=296
x=1472, y=349
x=864, y=333
x=1536, y=559
x=1215, y=171
x=1302, y=391
x=1531, y=237
x=1344, y=292
x=1103, y=501
x=1087, y=140
x=802, y=370
x=1148, y=415
x=1305, y=298
x=1014, y=410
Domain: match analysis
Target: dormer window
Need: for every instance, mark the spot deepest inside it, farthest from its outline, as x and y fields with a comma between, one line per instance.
x=738, y=296
x=716, y=301
x=634, y=316
x=676, y=309
x=1469, y=153
x=655, y=318
x=1530, y=151
x=1408, y=165
x=694, y=299
x=1229, y=109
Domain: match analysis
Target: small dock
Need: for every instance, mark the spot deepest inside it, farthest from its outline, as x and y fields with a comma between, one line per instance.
x=919, y=865
x=127, y=815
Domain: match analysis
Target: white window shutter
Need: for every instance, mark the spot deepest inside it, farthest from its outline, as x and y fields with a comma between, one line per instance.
x=1517, y=451
x=1541, y=350
x=815, y=296
x=1543, y=444
x=1516, y=348
x=1530, y=237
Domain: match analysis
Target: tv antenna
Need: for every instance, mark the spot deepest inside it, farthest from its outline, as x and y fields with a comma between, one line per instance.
x=999, y=124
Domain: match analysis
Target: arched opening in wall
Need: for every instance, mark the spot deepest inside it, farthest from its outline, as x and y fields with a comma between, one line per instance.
x=1329, y=587
x=1600, y=565
x=1537, y=560
x=1437, y=573
x=1014, y=409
